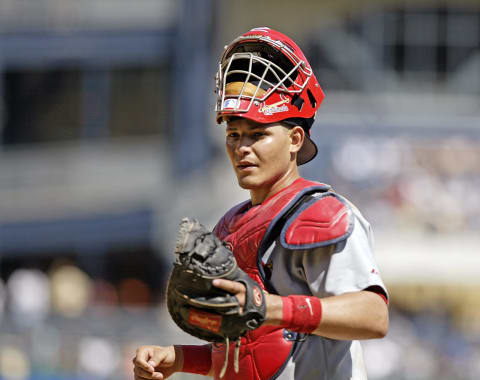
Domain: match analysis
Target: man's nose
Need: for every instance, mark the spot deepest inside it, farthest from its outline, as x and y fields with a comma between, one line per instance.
x=244, y=144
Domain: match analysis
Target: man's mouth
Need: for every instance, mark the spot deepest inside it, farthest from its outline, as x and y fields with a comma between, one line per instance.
x=245, y=165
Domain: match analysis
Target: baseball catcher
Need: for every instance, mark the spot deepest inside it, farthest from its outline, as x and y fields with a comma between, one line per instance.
x=289, y=274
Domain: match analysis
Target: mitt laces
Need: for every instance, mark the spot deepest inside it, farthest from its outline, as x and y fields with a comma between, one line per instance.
x=236, y=356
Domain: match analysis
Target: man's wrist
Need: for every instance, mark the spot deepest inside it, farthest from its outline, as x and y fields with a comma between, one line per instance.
x=195, y=359
x=301, y=313
x=178, y=366
x=274, y=309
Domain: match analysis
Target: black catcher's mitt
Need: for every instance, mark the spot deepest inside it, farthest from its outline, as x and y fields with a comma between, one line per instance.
x=198, y=307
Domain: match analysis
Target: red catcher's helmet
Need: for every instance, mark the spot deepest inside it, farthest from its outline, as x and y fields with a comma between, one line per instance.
x=264, y=76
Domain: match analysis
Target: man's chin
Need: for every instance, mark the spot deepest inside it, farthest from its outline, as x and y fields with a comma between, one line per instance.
x=246, y=184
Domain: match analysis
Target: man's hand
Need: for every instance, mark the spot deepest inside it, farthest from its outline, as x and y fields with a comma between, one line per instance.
x=157, y=362
x=272, y=301
x=234, y=287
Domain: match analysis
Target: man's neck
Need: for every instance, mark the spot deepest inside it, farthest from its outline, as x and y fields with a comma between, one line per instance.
x=259, y=195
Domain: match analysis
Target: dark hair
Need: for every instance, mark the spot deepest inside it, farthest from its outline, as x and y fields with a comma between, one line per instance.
x=306, y=124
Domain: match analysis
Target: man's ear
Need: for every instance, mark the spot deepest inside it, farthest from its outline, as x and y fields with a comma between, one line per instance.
x=297, y=136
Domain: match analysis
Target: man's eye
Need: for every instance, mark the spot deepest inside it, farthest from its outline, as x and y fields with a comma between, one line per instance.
x=258, y=134
x=232, y=134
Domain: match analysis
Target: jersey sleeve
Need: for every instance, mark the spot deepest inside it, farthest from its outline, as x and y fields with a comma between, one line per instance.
x=351, y=268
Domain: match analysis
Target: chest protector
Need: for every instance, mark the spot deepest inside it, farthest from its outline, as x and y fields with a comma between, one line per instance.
x=304, y=215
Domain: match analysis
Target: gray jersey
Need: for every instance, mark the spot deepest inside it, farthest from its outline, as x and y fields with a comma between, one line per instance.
x=322, y=273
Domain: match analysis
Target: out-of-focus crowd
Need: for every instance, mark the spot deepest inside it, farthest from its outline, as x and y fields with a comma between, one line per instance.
x=434, y=334
x=411, y=183
x=60, y=325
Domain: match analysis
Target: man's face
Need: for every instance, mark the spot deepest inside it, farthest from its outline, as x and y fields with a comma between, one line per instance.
x=260, y=154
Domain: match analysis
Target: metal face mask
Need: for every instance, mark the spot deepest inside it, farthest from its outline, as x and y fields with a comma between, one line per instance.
x=264, y=76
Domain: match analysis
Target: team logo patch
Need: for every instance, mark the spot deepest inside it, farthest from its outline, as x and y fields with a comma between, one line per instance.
x=277, y=107
x=230, y=103
x=228, y=245
x=207, y=321
x=257, y=296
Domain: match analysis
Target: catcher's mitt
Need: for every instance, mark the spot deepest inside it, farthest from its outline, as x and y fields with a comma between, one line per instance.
x=198, y=307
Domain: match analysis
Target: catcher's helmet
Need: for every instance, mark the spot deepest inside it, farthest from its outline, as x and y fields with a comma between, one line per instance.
x=264, y=76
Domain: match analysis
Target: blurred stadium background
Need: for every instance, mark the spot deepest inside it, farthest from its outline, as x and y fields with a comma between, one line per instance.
x=108, y=138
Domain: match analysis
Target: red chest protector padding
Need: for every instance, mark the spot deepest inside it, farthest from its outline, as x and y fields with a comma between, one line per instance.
x=323, y=218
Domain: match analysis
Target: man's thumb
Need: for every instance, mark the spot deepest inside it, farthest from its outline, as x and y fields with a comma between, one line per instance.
x=155, y=360
x=158, y=359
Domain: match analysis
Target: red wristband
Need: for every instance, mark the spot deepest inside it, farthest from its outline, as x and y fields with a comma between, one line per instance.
x=301, y=313
x=197, y=359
